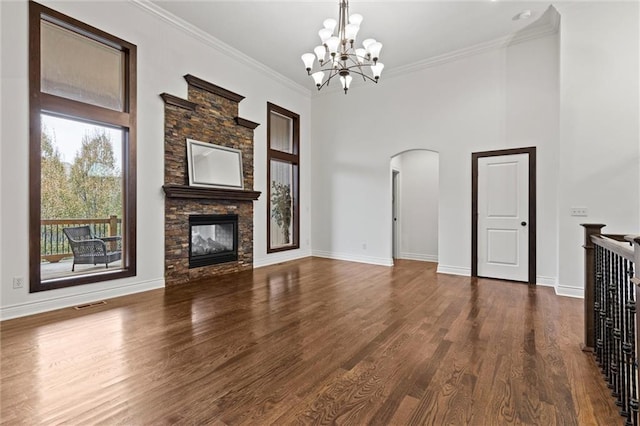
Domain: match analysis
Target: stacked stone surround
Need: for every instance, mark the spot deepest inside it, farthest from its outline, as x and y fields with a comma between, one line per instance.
x=210, y=114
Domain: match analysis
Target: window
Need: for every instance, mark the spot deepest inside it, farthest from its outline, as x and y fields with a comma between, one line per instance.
x=283, y=174
x=82, y=84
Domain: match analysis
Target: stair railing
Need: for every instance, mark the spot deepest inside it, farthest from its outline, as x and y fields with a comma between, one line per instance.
x=612, y=288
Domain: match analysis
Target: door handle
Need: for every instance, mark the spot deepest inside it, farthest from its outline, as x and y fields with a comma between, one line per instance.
x=523, y=223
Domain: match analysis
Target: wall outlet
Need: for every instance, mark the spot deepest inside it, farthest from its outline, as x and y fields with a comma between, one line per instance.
x=364, y=246
x=578, y=211
x=18, y=282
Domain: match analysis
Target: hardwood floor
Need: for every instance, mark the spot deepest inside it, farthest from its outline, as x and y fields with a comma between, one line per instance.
x=313, y=341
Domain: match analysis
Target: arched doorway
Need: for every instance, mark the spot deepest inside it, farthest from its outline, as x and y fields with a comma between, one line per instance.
x=414, y=200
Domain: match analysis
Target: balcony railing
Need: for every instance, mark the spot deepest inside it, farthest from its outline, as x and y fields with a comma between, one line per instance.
x=612, y=283
x=54, y=246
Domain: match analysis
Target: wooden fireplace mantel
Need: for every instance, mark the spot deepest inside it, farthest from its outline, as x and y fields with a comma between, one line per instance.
x=183, y=191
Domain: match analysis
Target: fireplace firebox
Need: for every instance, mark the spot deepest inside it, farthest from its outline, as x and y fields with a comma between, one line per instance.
x=214, y=239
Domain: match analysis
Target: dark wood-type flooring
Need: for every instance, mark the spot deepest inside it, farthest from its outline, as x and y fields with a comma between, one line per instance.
x=313, y=341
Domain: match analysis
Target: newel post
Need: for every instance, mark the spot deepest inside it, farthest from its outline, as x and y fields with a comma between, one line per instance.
x=589, y=275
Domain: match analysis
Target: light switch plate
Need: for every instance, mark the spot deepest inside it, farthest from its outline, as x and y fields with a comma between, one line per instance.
x=578, y=211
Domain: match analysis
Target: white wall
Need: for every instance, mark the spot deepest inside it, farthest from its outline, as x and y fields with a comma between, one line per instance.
x=165, y=54
x=418, y=204
x=599, y=153
x=498, y=99
x=574, y=96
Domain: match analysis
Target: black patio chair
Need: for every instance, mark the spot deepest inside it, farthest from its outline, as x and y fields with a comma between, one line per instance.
x=88, y=249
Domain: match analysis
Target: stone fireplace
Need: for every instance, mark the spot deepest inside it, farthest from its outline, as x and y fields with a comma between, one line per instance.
x=208, y=230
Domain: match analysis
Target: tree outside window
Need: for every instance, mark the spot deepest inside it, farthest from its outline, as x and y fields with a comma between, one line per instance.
x=283, y=129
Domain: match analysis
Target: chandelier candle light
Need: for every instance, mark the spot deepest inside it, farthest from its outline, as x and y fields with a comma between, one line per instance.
x=344, y=60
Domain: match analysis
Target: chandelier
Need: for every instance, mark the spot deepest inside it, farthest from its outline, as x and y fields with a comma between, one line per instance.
x=344, y=60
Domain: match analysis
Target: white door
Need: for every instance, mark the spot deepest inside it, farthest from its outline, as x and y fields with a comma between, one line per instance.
x=503, y=217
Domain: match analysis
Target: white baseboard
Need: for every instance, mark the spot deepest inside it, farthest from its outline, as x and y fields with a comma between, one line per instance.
x=577, y=292
x=540, y=280
x=36, y=307
x=354, y=258
x=454, y=270
x=419, y=256
x=560, y=290
x=546, y=281
x=273, y=258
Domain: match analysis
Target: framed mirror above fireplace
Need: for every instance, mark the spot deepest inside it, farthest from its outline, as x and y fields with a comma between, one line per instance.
x=214, y=166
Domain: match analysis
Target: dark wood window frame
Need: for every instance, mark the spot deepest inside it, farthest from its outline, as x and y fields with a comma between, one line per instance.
x=532, y=206
x=294, y=160
x=66, y=108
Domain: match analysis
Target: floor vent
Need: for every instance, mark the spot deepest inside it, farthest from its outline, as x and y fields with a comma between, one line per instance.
x=89, y=305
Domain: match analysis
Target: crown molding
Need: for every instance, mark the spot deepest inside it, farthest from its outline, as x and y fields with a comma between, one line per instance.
x=532, y=32
x=527, y=34
x=219, y=45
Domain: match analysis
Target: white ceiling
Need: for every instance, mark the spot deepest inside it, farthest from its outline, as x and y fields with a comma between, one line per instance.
x=277, y=33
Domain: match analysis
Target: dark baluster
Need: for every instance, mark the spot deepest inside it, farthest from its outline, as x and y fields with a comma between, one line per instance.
x=607, y=319
x=625, y=368
x=43, y=233
x=59, y=240
x=612, y=318
x=602, y=314
x=44, y=251
x=597, y=304
x=627, y=347
x=617, y=331
x=633, y=357
x=604, y=274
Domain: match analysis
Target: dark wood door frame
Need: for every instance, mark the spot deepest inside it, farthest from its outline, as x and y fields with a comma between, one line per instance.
x=532, y=206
